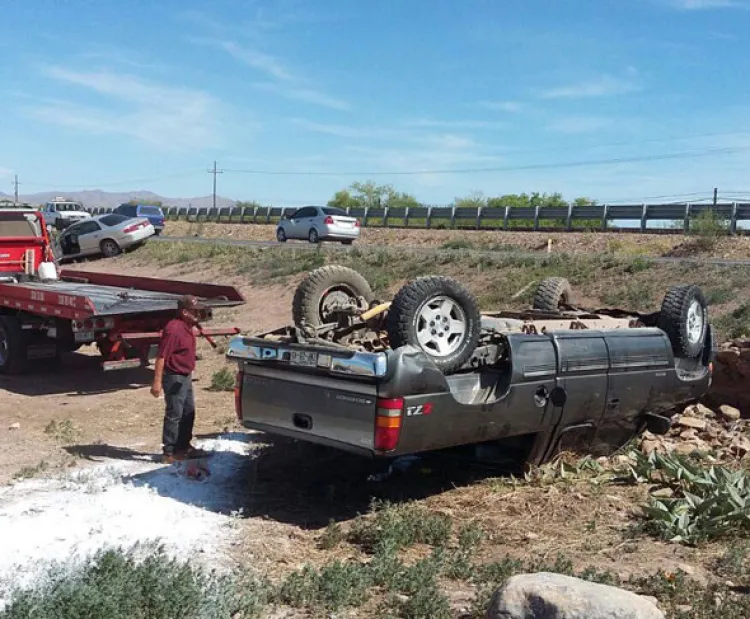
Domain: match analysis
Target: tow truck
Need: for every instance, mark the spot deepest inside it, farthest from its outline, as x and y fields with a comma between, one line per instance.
x=46, y=311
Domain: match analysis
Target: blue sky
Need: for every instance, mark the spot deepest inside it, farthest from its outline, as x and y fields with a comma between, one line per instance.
x=145, y=95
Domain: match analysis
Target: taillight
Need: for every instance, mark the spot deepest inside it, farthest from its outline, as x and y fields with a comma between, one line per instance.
x=356, y=223
x=132, y=228
x=238, y=395
x=388, y=423
x=328, y=221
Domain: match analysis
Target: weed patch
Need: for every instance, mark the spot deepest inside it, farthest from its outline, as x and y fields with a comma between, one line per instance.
x=222, y=380
x=64, y=432
x=705, y=502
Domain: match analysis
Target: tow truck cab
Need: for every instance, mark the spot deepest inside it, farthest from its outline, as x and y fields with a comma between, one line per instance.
x=24, y=242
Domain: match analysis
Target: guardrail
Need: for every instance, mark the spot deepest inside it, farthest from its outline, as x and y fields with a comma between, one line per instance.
x=599, y=217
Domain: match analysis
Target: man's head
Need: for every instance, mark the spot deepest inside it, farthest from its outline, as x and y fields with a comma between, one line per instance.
x=188, y=309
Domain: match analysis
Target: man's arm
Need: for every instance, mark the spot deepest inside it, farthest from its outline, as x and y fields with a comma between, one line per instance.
x=158, y=375
x=166, y=346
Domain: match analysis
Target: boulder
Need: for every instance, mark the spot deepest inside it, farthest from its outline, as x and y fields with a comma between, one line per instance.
x=554, y=596
x=730, y=413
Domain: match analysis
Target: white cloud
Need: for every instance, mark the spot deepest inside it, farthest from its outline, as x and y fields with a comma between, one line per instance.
x=454, y=124
x=602, y=86
x=501, y=106
x=699, y=5
x=257, y=60
x=344, y=131
x=580, y=124
x=301, y=93
x=5, y=171
x=157, y=114
x=284, y=82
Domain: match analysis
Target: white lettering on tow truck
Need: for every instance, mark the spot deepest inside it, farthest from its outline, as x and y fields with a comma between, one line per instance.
x=66, y=300
x=37, y=295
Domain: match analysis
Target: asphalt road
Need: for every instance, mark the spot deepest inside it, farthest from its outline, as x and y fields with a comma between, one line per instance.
x=305, y=246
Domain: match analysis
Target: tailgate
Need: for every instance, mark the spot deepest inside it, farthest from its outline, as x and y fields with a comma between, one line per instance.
x=318, y=394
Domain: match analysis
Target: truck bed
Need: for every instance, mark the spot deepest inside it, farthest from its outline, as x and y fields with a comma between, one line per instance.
x=80, y=295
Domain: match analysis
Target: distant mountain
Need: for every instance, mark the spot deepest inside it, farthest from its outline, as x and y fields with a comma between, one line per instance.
x=96, y=197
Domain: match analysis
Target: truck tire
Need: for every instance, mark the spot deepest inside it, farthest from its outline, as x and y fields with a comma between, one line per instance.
x=684, y=318
x=551, y=293
x=324, y=286
x=439, y=316
x=13, y=356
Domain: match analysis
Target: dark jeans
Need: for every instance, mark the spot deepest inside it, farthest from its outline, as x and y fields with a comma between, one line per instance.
x=179, y=415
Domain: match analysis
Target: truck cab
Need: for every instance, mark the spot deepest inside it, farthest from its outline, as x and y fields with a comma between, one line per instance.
x=24, y=242
x=60, y=213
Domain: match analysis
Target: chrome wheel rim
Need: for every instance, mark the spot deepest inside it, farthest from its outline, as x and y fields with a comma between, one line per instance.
x=441, y=326
x=695, y=322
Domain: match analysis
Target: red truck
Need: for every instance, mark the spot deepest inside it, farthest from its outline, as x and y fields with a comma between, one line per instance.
x=45, y=311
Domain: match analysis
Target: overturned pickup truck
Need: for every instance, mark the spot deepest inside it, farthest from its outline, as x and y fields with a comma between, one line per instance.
x=427, y=371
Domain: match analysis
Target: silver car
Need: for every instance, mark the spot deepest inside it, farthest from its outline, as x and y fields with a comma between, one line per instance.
x=108, y=235
x=318, y=223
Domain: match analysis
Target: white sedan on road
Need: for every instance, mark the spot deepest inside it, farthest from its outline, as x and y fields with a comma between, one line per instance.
x=318, y=223
x=106, y=235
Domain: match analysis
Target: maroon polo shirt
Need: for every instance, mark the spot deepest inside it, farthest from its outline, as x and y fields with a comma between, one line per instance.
x=177, y=347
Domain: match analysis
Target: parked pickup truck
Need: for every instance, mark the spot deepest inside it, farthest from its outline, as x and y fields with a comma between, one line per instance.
x=427, y=371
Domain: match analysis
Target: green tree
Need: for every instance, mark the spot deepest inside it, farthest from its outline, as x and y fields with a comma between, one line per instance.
x=372, y=195
x=247, y=204
x=473, y=200
x=146, y=202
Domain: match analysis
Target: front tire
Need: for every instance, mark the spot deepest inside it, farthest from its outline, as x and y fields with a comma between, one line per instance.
x=280, y=235
x=110, y=248
x=439, y=316
x=684, y=318
x=552, y=294
x=13, y=353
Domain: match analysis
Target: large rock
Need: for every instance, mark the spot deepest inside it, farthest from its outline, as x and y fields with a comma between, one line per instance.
x=554, y=596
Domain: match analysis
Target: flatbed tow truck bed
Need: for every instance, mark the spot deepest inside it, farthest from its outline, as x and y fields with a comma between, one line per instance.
x=79, y=295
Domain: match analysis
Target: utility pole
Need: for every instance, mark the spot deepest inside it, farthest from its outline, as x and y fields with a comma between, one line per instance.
x=214, y=171
x=15, y=187
x=716, y=195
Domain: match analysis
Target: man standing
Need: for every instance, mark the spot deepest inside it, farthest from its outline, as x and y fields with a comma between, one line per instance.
x=173, y=374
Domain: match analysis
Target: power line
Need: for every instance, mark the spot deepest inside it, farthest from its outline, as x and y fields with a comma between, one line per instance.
x=535, y=166
x=214, y=171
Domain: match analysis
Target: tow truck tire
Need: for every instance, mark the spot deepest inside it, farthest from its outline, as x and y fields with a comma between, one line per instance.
x=13, y=356
x=551, y=293
x=308, y=305
x=439, y=316
x=684, y=318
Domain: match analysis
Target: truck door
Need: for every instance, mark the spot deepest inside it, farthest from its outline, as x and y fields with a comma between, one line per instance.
x=640, y=363
x=584, y=364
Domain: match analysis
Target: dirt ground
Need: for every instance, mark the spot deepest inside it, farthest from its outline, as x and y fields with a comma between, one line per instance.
x=79, y=416
x=562, y=242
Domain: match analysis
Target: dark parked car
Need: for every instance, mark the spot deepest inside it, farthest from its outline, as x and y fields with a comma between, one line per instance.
x=153, y=213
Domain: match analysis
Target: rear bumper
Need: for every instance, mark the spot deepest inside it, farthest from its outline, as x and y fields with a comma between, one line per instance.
x=340, y=233
x=318, y=440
